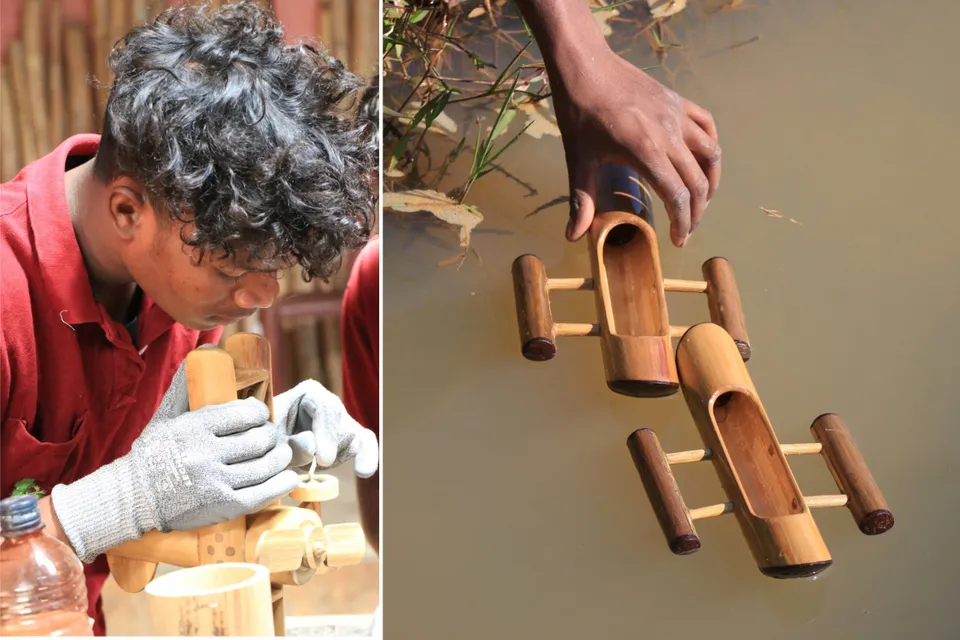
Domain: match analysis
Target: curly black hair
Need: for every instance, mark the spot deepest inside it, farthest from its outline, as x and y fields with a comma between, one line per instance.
x=269, y=149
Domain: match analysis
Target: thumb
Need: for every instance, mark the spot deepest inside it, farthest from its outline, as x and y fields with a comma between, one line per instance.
x=583, y=175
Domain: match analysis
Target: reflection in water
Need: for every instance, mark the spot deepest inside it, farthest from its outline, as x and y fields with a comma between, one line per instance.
x=512, y=507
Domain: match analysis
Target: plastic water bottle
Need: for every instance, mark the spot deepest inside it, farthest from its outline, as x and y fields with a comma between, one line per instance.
x=42, y=587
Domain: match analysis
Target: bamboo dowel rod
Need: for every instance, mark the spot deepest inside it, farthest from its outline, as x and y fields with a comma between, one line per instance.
x=819, y=502
x=571, y=329
x=365, y=38
x=676, y=332
x=712, y=511
x=279, y=622
x=100, y=38
x=57, y=98
x=21, y=94
x=79, y=93
x=325, y=26
x=155, y=8
x=33, y=49
x=9, y=146
x=340, y=28
x=698, y=455
x=687, y=286
x=570, y=284
x=138, y=12
x=812, y=502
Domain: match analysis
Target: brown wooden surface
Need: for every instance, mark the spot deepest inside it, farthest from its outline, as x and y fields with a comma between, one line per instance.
x=57, y=99
x=534, y=319
x=752, y=469
x=662, y=491
x=850, y=472
x=631, y=307
x=79, y=92
x=9, y=144
x=723, y=299
x=21, y=96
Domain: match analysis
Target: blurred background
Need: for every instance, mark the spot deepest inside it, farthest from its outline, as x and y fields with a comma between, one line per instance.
x=52, y=60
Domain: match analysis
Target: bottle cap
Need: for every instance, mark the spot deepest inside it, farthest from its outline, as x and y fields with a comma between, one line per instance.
x=19, y=513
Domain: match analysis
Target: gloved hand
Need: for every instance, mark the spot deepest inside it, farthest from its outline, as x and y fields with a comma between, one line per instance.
x=316, y=423
x=188, y=469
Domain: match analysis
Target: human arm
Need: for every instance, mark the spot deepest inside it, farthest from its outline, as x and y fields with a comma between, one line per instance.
x=611, y=112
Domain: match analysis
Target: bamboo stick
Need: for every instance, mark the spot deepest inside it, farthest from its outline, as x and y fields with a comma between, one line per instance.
x=365, y=37
x=9, y=148
x=80, y=98
x=21, y=94
x=340, y=30
x=325, y=25
x=32, y=36
x=100, y=36
x=57, y=95
x=138, y=13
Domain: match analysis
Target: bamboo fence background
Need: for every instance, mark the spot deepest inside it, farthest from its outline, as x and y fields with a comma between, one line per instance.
x=52, y=50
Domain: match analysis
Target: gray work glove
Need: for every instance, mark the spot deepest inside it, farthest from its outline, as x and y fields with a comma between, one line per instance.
x=316, y=423
x=187, y=470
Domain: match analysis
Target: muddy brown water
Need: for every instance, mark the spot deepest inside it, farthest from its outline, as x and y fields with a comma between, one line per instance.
x=512, y=508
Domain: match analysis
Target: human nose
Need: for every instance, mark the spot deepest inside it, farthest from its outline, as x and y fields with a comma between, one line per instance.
x=257, y=291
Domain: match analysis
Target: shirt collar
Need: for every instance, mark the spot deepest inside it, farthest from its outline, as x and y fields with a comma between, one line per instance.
x=64, y=273
x=61, y=265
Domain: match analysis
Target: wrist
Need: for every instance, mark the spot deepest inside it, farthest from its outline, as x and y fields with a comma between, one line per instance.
x=102, y=510
x=567, y=34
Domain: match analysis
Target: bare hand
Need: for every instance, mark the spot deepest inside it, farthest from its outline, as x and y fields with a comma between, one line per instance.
x=614, y=113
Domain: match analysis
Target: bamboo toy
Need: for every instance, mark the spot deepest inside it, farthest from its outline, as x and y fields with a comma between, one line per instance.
x=230, y=599
x=634, y=330
x=773, y=514
x=291, y=542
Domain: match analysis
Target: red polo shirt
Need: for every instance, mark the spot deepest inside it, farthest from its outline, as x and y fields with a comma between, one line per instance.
x=75, y=390
x=360, y=337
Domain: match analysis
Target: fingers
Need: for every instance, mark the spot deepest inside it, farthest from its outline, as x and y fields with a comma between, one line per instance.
x=304, y=448
x=234, y=417
x=368, y=457
x=256, y=497
x=583, y=175
x=702, y=117
x=706, y=149
x=247, y=445
x=695, y=183
x=669, y=186
x=259, y=470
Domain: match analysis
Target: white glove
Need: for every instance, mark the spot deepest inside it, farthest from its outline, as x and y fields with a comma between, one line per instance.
x=317, y=425
x=187, y=470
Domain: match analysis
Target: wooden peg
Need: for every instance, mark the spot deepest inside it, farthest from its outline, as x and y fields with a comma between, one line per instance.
x=852, y=476
x=662, y=491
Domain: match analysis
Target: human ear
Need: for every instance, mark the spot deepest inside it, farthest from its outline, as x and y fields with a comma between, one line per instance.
x=128, y=207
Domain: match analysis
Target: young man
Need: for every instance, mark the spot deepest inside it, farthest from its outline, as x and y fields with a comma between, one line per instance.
x=611, y=112
x=225, y=157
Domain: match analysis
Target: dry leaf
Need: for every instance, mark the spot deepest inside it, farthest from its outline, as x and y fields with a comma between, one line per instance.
x=540, y=119
x=443, y=208
x=665, y=8
x=603, y=19
x=773, y=213
x=477, y=12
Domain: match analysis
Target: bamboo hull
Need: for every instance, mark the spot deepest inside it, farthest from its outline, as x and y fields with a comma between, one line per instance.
x=752, y=468
x=631, y=306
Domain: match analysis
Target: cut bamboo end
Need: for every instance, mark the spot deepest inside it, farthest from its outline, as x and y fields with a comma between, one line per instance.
x=850, y=472
x=534, y=319
x=228, y=599
x=661, y=488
